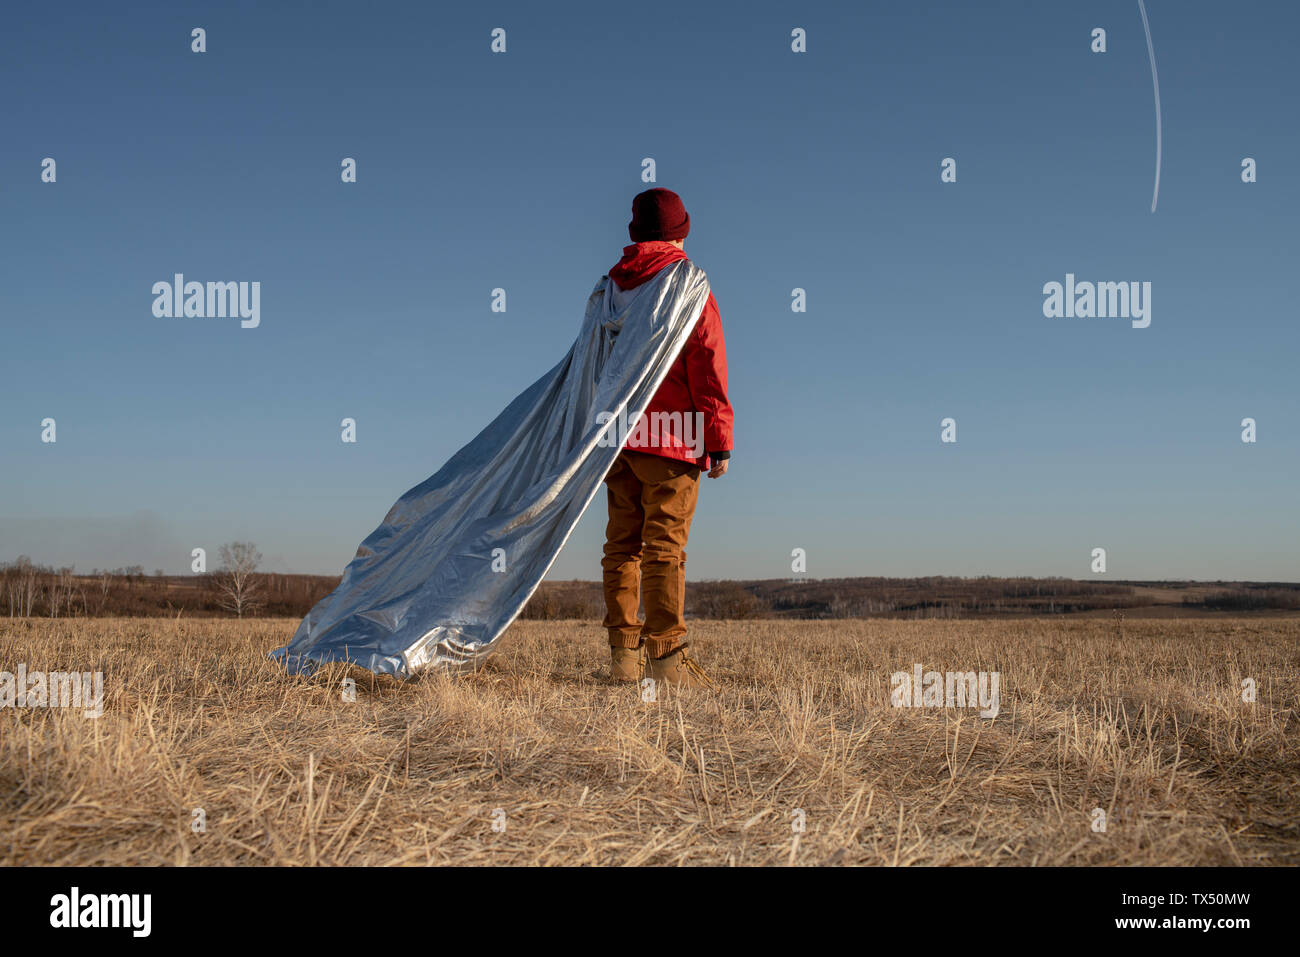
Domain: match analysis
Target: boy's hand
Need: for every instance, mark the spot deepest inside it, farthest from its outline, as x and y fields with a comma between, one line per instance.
x=719, y=469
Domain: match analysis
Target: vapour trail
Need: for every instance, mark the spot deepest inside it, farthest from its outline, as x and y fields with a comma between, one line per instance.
x=1155, y=83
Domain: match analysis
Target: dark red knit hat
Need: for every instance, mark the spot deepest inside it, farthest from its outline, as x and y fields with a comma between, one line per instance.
x=658, y=214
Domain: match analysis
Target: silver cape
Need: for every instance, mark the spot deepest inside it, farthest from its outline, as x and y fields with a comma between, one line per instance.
x=458, y=557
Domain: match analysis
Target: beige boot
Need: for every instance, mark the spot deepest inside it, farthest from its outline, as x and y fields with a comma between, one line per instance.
x=679, y=670
x=625, y=664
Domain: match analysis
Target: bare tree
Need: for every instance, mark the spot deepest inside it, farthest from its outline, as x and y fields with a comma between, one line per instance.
x=62, y=591
x=238, y=587
x=105, y=586
x=21, y=581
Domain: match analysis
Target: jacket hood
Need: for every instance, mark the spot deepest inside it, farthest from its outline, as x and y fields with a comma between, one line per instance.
x=642, y=260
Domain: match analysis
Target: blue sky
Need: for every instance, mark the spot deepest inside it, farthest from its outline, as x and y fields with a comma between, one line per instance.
x=817, y=170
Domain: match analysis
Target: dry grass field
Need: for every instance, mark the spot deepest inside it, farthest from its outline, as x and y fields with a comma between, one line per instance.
x=1144, y=719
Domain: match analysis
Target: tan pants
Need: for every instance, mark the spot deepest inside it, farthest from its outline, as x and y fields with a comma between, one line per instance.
x=651, y=504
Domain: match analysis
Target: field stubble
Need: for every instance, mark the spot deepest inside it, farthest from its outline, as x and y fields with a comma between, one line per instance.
x=538, y=760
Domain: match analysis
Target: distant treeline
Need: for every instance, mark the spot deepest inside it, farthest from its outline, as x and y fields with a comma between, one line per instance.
x=27, y=589
x=934, y=597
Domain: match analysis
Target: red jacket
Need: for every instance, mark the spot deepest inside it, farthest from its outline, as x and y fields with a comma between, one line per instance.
x=697, y=381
